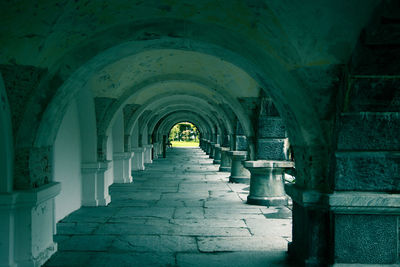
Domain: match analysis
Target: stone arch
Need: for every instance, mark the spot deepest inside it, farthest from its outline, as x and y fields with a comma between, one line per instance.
x=182, y=109
x=294, y=105
x=170, y=100
x=168, y=122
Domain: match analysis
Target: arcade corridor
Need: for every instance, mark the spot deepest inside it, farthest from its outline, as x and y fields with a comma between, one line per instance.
x=179, y=211
x=89, y=93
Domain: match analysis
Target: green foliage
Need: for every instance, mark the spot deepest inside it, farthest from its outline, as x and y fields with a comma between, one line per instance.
x=184, y=131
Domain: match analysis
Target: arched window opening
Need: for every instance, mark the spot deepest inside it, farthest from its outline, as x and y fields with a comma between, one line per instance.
x=184, y=134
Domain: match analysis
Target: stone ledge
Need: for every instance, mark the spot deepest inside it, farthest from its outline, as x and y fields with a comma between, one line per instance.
x=238, y=154
x=148, y=146
x=351, y=202
x=269, y=164
x=29, y=198
x=123, y=155
x=137, y=149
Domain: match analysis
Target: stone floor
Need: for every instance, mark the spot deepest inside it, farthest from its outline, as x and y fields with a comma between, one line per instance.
x=180, y=211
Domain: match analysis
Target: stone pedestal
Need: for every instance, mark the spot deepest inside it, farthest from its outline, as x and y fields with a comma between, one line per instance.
x=27, y=226
x=217, y=154
x=95, y=181
x=202, y=144
x=160, y=150
x=267, y=182
x=155, y=151
x=122, y=167
x=239, y=174
x=225, y=160
x=212, y=150
x=138, y=159
x=148, y=151
x=208, y=147
x=344, y=227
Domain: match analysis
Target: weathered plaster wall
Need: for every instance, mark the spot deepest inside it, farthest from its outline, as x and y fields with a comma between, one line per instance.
x=67, y=164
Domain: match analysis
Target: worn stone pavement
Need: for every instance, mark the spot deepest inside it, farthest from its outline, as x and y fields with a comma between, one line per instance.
x=180, y=211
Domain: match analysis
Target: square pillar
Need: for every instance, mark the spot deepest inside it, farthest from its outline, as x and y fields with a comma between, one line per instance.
x=138, y=159
x=95, y=182
x=27, y=226
x=345, y=227
x=122, y=167
x=239, y=174
x=148, y=153
x=212, y=150
x=155, y=150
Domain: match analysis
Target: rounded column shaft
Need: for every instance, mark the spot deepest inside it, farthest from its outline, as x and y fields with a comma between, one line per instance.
x=212, y=150
x=267, y=182
x=217, y=154
x=239, y=174
x=225, y=160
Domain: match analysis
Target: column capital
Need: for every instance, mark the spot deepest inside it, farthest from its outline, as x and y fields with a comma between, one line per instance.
x=29, y=198
x=238, y=155
x=347, y=202
x=122, y=155
x=269, y=164
x=137, y=149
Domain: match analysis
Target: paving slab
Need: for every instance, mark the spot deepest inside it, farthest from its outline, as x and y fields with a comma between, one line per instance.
x=180, y=211
x=233, y=259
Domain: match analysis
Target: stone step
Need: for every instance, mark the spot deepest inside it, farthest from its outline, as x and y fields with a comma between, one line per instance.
x=369, y=131
x=373, y=93
x=367, y=171
x=386, y=33
x=376, y=60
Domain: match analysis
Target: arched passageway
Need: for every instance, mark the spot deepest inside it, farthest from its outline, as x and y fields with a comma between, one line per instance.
x=91, y=90
x=180, y=211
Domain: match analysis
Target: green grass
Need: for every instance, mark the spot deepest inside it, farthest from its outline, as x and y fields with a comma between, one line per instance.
x=184, y=144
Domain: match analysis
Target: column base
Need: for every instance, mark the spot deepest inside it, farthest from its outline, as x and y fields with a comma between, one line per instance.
x=27, y=226
x=267, y=201
x=345, y=228
x=126, y=180
x=41, y=259
x=105, y=201
x=225, y=169
x=239, y=180
x=216, y=161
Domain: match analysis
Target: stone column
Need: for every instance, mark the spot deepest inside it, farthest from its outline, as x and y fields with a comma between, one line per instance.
x=155, y=151
x=217, y=154
x=138, y=159
x=148, y=153
x=160, y=149
x=225, y=160
x=201, y=143
x=267, y=182
x=27, y=220
x=212, y=150
x=122, y=167
x=239, y=174
x=208, y=147
x=95, y=182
